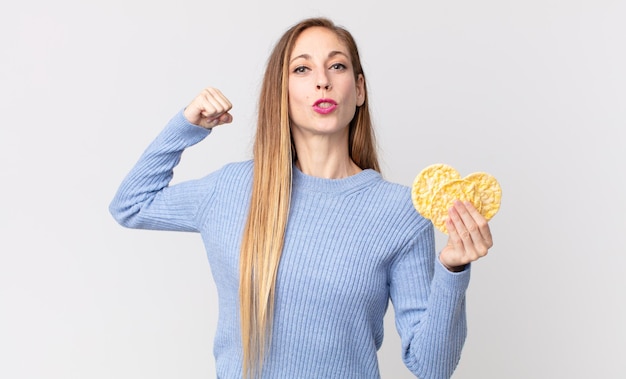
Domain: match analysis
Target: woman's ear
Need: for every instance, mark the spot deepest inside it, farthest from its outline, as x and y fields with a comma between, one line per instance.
x=360, y=90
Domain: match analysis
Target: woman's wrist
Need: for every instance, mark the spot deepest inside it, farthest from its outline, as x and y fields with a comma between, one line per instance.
x=453, y=268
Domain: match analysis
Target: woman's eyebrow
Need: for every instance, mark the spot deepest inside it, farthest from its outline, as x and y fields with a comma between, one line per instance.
x=330, y=55
x=336, y=52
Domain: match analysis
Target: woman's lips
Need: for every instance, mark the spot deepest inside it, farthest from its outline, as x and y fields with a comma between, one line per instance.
x=324, y=106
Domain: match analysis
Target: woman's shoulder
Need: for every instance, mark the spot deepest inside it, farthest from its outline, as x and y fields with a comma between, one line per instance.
x=395, y=192
x=398, y=200
x=238, y=169
x=232, y=174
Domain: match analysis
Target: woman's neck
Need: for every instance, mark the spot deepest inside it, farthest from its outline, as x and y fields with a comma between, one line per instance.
x=328, y=169
x=323, y=159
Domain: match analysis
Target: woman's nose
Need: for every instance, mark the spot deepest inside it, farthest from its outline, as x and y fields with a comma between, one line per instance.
x=326, y=85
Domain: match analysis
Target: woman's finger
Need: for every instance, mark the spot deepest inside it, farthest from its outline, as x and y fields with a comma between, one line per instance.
x=209, y=109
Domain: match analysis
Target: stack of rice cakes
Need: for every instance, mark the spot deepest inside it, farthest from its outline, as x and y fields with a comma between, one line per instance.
x=437, y=186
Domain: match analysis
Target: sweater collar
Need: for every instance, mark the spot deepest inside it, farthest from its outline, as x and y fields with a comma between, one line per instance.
x=304, y=182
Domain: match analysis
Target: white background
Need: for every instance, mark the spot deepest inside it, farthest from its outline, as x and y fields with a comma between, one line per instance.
x=533, y=92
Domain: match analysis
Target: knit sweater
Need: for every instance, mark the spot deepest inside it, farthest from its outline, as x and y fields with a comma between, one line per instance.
x=351, y=246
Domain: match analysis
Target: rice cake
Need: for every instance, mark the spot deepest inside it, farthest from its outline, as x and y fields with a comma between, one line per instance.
x=437, y=186
x=489, y=191
x=444, y=198
x=428, y=182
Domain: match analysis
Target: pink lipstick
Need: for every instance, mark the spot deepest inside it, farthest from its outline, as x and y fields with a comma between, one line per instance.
x=324, y=106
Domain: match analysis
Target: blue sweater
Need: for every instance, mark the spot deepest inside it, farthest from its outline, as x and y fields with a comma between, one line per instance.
x=351, y=245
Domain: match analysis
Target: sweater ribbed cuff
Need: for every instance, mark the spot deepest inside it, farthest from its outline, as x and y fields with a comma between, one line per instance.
x=180, y=127
x=454, y=281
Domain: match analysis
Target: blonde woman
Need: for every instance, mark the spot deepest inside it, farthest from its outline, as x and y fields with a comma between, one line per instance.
x=306, y=241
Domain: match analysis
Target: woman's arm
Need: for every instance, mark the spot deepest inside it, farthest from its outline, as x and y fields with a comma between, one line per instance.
x=144, y=199
x=429, y=304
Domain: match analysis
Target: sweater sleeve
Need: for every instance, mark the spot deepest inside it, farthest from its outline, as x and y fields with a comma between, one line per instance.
x=429, y=305
x=145, y=200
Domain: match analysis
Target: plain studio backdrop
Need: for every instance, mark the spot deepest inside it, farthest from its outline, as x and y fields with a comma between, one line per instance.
x=533, y=92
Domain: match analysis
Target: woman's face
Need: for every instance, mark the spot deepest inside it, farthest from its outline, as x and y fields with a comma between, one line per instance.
x=323, y=93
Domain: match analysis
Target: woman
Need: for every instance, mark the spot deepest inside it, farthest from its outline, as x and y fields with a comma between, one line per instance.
x=306, y=242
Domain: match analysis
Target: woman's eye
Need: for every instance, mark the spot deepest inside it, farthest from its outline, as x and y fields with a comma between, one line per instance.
x=299, y=69
x=338, y=66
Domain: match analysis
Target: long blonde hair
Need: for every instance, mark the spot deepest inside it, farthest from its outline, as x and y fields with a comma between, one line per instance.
x=274, y=155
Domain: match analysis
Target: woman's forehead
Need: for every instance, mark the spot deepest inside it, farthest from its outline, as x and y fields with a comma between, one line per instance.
x=318, y=40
